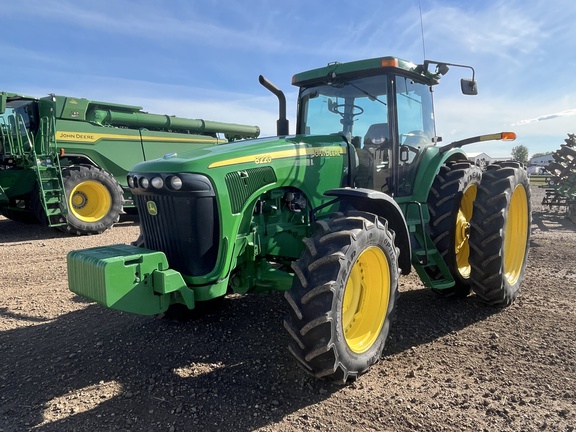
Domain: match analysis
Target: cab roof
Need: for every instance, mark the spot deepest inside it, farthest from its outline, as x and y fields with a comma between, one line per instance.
x=372, y=66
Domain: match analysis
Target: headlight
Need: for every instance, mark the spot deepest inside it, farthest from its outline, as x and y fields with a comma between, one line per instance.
x=130, y=181
x=157, y=182
x=176, y=183
x=144, y=182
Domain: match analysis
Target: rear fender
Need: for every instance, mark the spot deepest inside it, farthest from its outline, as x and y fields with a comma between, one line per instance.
x=383, y=205
x=429, y=166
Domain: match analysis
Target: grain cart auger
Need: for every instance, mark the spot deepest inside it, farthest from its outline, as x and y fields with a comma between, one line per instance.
x=63, y=160
x=561, y=187
x=331, y=216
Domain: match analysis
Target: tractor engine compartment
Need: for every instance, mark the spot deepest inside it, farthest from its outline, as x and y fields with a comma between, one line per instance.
x=280, y=219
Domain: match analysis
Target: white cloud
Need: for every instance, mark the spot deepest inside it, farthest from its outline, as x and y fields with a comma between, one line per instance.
x=459, y=117
x=498, y=29
x=565, y=113
x=149, y=21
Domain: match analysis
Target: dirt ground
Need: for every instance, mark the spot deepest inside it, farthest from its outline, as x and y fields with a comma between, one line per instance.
x=449, y=365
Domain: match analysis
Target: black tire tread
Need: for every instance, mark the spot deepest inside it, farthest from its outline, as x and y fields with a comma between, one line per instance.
x=310, y=317
x=78, y=173
x=443, y=203
x=487, y=235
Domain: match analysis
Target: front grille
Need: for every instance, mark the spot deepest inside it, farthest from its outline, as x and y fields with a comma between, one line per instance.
x=184, y=226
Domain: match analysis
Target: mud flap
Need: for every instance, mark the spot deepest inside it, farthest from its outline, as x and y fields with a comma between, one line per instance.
x=127, y=278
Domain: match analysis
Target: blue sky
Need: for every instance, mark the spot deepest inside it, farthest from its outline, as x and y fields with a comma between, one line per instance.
x=201, y=59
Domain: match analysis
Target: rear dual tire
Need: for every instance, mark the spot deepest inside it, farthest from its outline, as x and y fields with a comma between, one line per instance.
x=480, y=223
x=451, y=202
x=500, y=233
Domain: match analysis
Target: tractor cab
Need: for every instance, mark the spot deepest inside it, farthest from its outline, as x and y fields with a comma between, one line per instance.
x=383, y=108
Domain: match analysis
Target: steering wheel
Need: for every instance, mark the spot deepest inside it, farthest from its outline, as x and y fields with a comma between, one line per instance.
x=356, y=110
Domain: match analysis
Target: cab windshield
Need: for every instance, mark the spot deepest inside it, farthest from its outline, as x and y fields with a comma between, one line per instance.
x=346, y=107
x=18, y=126
x=20, y=113
x=387, y=118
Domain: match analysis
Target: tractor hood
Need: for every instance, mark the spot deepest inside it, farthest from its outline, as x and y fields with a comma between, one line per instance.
x=204, y=196
x=293, y=150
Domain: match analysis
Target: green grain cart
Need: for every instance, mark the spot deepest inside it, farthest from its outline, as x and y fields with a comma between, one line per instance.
x=331, y=216
x=64, y=160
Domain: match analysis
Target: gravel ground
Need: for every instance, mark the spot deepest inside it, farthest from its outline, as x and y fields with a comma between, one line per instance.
x=449, y=365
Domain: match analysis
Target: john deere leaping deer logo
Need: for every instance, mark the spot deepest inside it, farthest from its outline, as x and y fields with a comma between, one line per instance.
x=151, y=207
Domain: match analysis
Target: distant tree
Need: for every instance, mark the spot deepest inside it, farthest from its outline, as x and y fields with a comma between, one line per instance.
x=520, y=154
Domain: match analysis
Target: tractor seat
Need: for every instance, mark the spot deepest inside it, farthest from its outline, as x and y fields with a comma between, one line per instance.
x=377, y=135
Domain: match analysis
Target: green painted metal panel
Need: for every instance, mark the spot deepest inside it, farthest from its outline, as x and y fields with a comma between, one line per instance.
x=308, y=164
x=242, y=184
x=362, y=68
x=123, y=277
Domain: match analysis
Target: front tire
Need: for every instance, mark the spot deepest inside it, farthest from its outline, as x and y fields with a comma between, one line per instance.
x=94, y=198
x=500, y=235
x=343, y=296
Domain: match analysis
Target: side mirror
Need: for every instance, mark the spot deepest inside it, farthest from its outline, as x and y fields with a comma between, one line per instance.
x=468, y=86
x=3, y=103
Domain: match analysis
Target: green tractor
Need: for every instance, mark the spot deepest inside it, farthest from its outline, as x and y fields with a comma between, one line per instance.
x=331, y=216
x=64, y=160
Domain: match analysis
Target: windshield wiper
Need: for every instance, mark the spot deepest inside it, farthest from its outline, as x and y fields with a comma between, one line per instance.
x=342, y=83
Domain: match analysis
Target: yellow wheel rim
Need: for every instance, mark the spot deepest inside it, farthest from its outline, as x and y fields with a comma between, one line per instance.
x=462, y=231
x=90, y=201
x=366, y=299
x=516, y=235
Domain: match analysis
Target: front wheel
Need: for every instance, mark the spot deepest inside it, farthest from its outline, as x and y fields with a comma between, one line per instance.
x=343, y=296
x=500, y=233
x=94, y=198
